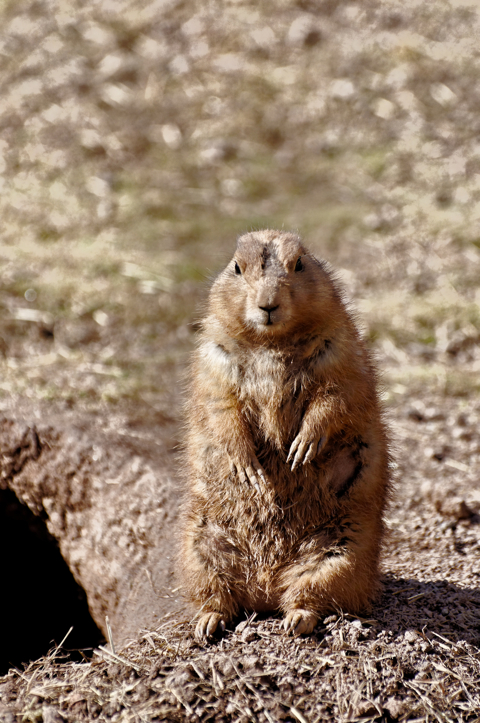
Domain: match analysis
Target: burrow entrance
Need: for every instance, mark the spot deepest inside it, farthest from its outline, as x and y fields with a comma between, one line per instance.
x=39, y=597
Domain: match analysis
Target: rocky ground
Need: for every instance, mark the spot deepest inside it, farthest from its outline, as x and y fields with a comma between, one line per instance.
x=137, y=139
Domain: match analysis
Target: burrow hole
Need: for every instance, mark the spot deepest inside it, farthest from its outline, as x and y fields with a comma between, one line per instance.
x=39, y=597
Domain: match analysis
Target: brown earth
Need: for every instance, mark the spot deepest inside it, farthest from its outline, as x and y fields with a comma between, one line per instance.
x=112, y=508
x=417, y=653
x=137, y=139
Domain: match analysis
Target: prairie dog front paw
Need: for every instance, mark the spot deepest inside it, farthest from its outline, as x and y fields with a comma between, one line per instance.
x=249, y=470
x=305, y=447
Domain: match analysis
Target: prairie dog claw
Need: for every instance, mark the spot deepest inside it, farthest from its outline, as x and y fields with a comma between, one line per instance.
x=304, y=449
x=252, y=473
x=208, y=625
x=299, y=622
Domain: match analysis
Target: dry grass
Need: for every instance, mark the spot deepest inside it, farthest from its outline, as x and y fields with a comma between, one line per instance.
x=137, y=142
x=350, y=670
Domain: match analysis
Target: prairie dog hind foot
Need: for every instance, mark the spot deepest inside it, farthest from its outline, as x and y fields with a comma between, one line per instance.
x=208, y=625
x=299, y=622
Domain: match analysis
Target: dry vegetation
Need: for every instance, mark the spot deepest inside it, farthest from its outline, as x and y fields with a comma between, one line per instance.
x=352, y=670
x=137, y=138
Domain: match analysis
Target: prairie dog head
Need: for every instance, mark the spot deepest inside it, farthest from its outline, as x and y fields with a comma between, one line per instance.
x=271, y=288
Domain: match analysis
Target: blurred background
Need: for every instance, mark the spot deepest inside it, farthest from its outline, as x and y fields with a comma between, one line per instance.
x=138, y=138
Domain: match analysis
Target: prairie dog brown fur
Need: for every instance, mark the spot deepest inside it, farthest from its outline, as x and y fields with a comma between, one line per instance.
x=286, y=451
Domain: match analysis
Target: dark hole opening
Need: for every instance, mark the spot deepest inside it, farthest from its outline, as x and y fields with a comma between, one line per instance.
x=40, y=599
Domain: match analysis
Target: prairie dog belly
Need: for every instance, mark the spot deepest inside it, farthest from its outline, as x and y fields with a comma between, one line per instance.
x=272, y=398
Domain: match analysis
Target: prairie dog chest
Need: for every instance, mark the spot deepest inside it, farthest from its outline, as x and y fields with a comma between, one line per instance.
x=273, y=396
x=266, y=381
x=256, y=376
x=270, y=386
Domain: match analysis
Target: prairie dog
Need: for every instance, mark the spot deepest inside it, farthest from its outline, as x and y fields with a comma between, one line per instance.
x=286, y=450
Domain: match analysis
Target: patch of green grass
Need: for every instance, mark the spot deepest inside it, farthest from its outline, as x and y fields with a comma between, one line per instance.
x=374, y=161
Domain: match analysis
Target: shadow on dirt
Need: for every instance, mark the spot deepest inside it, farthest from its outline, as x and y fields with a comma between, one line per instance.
x=409, y=612
x=437, y=607
x=40, y=599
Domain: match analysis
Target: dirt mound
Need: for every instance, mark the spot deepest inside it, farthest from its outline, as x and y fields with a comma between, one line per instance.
x=417, y=654
x=386, y=668
x=111, y=512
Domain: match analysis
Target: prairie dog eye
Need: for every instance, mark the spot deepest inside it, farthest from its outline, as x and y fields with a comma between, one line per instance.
x=237, y=269
x=299, y=265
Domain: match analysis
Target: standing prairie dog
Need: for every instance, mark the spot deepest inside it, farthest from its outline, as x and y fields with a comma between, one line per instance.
x=286, y=451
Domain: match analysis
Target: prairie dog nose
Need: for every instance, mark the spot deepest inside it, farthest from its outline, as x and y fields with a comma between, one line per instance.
x=269, y=310
x=268, y=298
